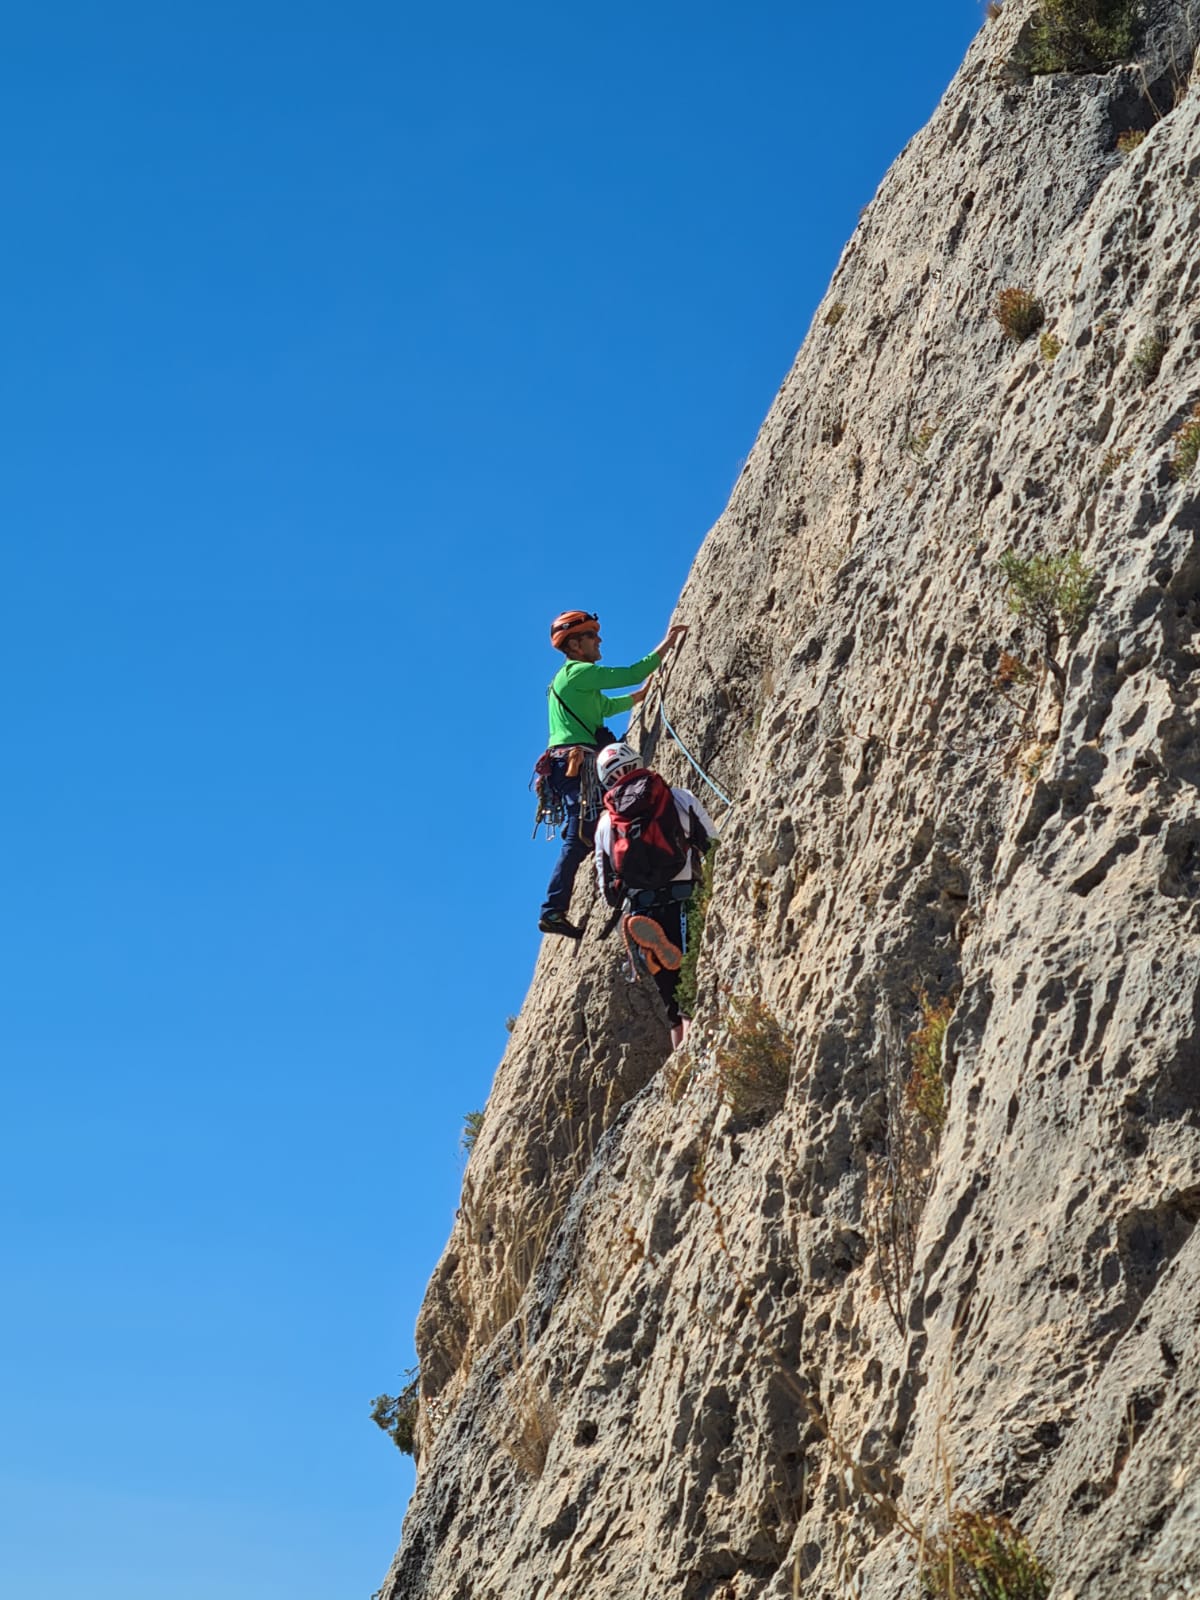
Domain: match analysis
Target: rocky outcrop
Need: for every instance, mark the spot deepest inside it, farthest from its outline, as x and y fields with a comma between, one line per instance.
x=678, y=1347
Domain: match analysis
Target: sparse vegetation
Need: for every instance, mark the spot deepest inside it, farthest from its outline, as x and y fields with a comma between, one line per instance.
x=1112, y=460
x=980, y=1556
x=680, y=1071
x=534, y=1415
x=917, y=443
x=472, y=1123
x=510, y=1024
x=397, y=1414
x=1128, y=141
x=1031, y=761
x=835, y=314
x=754, y=1058
x=1011, y=672
x=1147, y=358
x=1056, y=593
x=687, y=994
x=1186, y=447
x=925, y=1093
x=1081, y=35
x=898, y=1180
x=1050, y=345
x=1019, y=312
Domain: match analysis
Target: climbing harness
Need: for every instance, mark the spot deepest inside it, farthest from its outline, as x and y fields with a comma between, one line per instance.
x=639, y=907
x=551, y=803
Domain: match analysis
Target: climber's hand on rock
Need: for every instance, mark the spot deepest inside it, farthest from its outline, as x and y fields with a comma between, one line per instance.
x=675, y=637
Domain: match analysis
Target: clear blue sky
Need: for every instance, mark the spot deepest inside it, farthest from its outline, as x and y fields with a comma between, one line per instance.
x=343, y=345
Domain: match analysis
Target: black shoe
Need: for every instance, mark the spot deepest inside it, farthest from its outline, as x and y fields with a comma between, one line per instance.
x=555, y=922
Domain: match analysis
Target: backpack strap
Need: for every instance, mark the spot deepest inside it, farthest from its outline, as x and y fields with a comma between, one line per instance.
x=591, y=732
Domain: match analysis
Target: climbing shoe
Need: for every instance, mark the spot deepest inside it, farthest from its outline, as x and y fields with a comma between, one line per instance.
x=555, y=922
x=660, y=952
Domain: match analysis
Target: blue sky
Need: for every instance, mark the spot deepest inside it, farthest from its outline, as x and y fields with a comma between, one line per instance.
x=343, y=346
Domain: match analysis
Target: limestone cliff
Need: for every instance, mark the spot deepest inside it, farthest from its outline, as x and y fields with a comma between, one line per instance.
x=690, y=1343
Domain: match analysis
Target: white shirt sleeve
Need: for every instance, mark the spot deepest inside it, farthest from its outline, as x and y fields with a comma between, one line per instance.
x=603, y=829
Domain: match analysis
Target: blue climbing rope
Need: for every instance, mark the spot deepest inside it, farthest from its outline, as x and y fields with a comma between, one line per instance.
x=720, y=793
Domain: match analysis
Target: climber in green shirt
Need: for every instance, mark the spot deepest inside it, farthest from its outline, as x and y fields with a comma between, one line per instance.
x=577, y=706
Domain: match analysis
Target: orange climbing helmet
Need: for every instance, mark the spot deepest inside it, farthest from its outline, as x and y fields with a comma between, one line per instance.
x=565, y=627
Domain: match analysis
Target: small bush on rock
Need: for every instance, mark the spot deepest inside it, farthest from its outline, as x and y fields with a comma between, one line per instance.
x=1128, y=141
x=1147, y=358
x=918, y=443
x=835, y=314
x=1018, y=312
x=1050, y=345
x=925, y=1093
x=472, y=1123
x=982, y=1557
x=1186, y=449
x=754, y=1059
x=1056, y=592
x=1081, y=35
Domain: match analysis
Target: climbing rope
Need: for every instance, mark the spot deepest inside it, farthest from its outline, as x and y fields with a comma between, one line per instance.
x=666, y=721
x=660, y=710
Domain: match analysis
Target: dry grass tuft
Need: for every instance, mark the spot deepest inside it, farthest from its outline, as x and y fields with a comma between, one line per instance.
x=1186, y=447
x=534, y=1423
x=1019, y=313
x=754, y=1058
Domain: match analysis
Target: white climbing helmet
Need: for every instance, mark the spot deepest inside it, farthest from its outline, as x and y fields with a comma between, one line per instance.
x=615, y=759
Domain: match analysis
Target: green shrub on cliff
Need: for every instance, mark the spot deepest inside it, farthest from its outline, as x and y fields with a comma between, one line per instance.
x=1054, y=592
x=1081, y=35
x=396, y=1414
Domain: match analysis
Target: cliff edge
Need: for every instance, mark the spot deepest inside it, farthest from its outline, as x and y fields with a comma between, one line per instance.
x=907, y=1234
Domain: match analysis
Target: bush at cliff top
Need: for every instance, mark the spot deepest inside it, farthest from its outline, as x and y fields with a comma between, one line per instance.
x=397, y=1414
x=1081, y=35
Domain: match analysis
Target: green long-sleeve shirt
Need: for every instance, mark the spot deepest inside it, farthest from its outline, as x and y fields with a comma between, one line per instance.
x=578, y=684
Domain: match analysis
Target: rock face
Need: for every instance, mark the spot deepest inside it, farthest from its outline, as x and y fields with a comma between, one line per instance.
x=690, y=1343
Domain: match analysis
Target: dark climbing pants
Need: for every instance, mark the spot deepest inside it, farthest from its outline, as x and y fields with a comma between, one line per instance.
x=669, y=916
x=578, y=838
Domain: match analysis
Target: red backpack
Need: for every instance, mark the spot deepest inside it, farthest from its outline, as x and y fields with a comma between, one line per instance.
x=648, y=845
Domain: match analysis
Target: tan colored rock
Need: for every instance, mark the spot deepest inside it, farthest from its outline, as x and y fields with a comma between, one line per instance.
x=672, y=1351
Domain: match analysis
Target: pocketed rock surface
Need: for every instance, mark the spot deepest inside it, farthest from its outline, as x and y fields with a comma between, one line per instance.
x=681, y=1347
